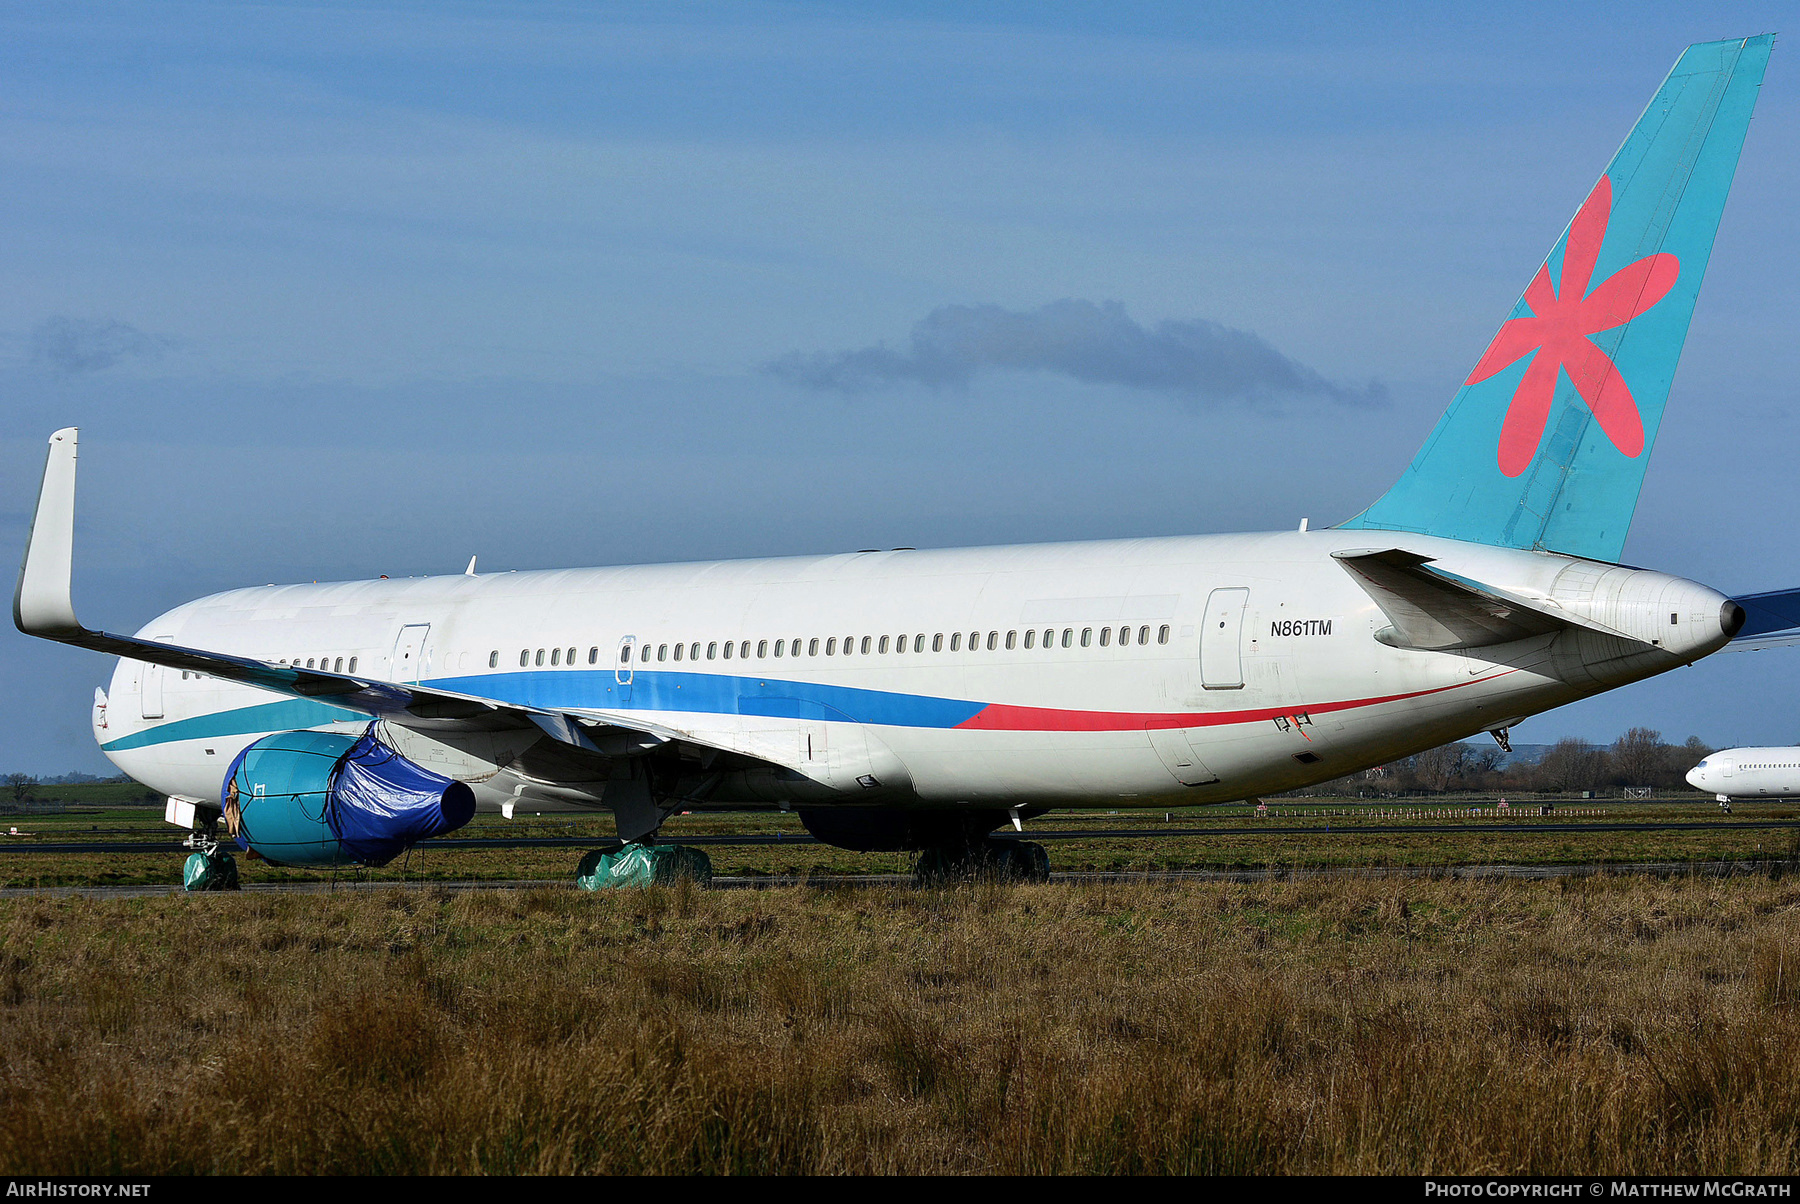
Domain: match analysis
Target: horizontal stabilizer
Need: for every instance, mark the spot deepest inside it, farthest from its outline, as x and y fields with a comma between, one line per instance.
x=1771, y=620
x=1435, y=611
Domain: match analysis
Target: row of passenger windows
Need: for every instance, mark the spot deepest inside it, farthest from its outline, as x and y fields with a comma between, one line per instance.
x=868, y=645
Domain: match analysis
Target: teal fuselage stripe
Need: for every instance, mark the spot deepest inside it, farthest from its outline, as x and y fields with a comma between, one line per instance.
x=591, y=689
x=286, y=715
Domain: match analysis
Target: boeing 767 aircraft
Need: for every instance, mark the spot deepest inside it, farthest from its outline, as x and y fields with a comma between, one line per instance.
x=921, y=699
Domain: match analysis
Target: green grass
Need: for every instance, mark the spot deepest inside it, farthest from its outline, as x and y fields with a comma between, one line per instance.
x=1595, y=1026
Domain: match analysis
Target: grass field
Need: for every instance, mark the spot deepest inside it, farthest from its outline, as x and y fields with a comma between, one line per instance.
x=1597, y=1025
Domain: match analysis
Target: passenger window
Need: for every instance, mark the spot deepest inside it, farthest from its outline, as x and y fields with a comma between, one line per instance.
x=309, y=662
x=1087, y=636
x=919, y=643
x=694, y=651
x=1143, y=636
x=956, y=641
x=662, y=652
x=974, y=641
x=1162, y=634
x=779, y=644
x=712, y=650
x=993, y=640
x=831, y=646
x=679, y=649
x=937, y=642
x=1049, y=637
x=762, y=649
x=729, y=645
x=524, y=657
x=744, y=650
x=337, y=666
x=865, y=645
x=812, y=646
x=1012, y=640
x=540, y=656
x=594, y=655
x=556, y=656
x=883, y=646
x=1068, y=636
x=644, y=651
x=625, y=655
x=569, y=657
x=1031, y=639
x=353, y=663
x=1105, y=636
x=899, y=643
x=494, y=659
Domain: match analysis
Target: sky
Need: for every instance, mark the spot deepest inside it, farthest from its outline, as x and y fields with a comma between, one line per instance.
x=342, y=290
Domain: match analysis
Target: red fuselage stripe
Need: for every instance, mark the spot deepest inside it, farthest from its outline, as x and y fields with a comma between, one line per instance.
x=1000, y=717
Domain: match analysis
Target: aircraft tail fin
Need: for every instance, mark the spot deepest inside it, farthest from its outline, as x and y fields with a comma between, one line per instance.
x=1546, y=443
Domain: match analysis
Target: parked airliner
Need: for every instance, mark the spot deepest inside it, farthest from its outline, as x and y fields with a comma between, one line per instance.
x=1748, y=773
x=921, y=699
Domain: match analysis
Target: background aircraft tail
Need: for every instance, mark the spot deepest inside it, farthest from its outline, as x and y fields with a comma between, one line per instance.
x=1546, y=443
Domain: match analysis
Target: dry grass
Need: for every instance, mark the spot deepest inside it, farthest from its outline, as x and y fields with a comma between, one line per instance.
x=1602, y=1025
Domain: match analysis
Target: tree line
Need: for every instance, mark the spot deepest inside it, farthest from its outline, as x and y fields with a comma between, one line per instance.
x=1638, y=760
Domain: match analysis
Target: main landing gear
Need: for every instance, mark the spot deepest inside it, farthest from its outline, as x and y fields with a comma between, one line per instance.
x=984, y=859
x=642, y=794
x=637, y=864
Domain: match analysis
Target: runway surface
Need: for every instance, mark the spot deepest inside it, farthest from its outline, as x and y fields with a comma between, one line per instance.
x=1654, y=869
x=1323, y=828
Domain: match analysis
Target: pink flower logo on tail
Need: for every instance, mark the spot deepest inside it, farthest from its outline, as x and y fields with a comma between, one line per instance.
x=1557, y=330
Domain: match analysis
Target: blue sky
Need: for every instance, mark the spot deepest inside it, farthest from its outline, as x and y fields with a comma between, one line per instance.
x=344, y=290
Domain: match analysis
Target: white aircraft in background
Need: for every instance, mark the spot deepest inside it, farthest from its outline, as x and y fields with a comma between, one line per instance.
x=920, y=699
x=1748, y=773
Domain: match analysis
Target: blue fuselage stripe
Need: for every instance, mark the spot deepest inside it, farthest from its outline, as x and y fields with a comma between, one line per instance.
x=591, y=689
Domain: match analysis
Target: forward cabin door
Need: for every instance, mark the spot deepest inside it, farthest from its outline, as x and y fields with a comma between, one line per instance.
x=1221, y=640
x=408, y=664
x=151, y=691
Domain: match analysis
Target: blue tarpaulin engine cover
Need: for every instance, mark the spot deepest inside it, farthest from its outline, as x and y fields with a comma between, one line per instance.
x=323, y=799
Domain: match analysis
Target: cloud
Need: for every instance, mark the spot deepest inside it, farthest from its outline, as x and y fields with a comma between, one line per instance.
x=1100, y=344
x=75, y=345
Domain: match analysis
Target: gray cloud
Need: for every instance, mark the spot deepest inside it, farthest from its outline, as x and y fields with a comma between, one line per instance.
x=75, y=345
x=1100, y=344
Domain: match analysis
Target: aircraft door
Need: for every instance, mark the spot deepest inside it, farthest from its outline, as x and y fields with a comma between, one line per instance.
x=622, y=667
x=1221, y=640
x=408, y=664
x=151, y=691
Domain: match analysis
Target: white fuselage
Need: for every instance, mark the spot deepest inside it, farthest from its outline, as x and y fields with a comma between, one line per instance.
x=981, y=676
x=1745, y=773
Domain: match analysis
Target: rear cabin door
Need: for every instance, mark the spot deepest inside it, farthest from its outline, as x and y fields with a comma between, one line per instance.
x=1221, y=640
x=409, y=653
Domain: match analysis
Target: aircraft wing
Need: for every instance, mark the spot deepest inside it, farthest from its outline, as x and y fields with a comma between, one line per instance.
x=1772, y=620
x=43, y=607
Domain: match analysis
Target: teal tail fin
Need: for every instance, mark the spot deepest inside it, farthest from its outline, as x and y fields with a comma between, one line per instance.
x=1546, y=443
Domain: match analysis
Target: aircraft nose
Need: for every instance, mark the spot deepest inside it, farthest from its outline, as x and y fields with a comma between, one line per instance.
x=1696, y=777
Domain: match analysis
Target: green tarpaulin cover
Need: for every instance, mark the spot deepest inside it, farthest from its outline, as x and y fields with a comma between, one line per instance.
x=217, y=872
x=642, y=865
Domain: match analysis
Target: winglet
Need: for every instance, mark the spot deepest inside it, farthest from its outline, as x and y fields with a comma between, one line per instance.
x=42, y=605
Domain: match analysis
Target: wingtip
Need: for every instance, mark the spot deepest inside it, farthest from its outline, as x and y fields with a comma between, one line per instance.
x=41, y=604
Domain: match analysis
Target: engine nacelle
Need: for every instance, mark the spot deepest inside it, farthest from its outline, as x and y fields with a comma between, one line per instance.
x=319, y=799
